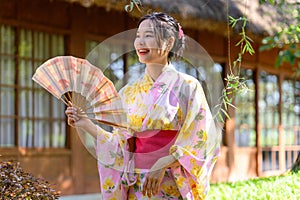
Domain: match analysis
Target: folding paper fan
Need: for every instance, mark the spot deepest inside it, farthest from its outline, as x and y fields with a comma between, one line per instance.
x=75, y=80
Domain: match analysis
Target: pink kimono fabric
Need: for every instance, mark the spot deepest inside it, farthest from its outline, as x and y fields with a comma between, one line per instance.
x=175, y=101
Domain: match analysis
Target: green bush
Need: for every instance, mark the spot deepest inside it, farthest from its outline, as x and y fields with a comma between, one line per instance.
x=285, y=187
x=18, y=185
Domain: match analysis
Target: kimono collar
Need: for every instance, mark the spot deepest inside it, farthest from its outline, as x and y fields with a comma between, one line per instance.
x=167, y=68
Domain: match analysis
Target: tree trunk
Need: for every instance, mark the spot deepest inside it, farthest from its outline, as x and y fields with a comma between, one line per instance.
x=296, y=165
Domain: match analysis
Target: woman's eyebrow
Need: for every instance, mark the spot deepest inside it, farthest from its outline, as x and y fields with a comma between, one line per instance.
x=139, y=32
x=149, y=31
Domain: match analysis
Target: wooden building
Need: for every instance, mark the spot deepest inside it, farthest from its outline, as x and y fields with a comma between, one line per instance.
x=262, y=137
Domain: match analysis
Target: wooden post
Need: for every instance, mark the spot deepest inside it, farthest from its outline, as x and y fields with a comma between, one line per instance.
x=76, y=45
x=258, y=128
x=230, y=140
x=281, y=137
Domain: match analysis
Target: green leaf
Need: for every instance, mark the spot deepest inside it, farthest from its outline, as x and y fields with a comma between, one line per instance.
x=137, y=4
x=199, y=116
x=266, y=47
x=232, y=21
x=250, y=48
x=268, y=40
x=297, y=54
x=199, y=145
x=200, y=134
x=225, y=104
x=245, y=21
x=278, y=61
x=129, y=8
x=225, y=113
x=220, y=117
x=112, y=154
x=239, y=42
x=136, y=187
x=231, y=105
x=292, y=59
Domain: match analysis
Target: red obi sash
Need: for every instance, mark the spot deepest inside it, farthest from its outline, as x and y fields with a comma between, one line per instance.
x=151, y=145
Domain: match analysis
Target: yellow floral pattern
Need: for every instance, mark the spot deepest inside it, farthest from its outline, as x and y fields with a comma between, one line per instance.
x=169, y=189
x=135, y=121
x=180, y=181
x=108, y=184
x=139, y=87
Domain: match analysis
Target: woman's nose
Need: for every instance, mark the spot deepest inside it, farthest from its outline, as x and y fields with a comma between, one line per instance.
x=140, y=41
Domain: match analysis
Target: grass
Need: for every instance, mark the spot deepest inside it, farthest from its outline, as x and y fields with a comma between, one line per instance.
x=285, y=187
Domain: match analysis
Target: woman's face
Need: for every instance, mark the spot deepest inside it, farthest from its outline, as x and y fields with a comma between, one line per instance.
x=146, y=45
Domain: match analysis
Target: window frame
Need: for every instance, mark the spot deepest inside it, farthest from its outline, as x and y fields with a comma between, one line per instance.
x=32, y=89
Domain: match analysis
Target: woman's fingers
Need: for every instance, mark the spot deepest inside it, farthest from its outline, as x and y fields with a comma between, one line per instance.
x=71, y=110
x=145, y=187
x=71, y=120
x=151, y=187
x=155, y=186
x=152, y=183
x=71, y=113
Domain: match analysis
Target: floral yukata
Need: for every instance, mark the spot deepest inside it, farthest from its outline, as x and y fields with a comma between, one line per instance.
x=174, y=102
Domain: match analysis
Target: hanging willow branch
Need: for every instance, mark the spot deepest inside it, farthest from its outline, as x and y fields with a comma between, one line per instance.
x=234, y=83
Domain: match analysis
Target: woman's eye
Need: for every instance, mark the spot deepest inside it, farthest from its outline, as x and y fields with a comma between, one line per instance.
x=149, y=35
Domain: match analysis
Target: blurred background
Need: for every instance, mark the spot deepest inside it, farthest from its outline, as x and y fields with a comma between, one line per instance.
x=261, y=137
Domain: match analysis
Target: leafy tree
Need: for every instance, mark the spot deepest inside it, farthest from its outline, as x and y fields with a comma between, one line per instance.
x=287, y=39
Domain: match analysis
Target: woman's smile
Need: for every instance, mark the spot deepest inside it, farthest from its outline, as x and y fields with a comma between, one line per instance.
x=143, y=51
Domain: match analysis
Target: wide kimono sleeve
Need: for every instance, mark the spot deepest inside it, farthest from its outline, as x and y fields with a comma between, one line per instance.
x=115, y=165
x=112, y=145
x=198, y=143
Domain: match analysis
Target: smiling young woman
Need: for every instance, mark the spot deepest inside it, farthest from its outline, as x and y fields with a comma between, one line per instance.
x=159, y=37
x=147, y=47
x=171, y=145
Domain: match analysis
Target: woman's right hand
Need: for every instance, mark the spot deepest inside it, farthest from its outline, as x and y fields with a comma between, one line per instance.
x=74, y=119
x=79, y=121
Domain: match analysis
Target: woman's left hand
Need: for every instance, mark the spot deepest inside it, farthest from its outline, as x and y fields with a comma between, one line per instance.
x=156, y=174
x=153, y=180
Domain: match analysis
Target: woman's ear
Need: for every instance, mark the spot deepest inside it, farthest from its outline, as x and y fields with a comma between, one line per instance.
x=167, y=46
x=170, y=43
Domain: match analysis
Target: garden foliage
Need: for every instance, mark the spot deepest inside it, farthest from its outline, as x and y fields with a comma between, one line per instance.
x=285, y=187
x=19, y=185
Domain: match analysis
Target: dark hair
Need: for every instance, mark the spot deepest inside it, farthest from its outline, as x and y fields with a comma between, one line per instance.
x=165, y=27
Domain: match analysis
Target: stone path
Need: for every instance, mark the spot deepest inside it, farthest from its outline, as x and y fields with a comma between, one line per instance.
x=82, y=197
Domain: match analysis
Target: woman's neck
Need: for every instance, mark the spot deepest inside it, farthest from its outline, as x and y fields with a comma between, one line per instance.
x=155, y=70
